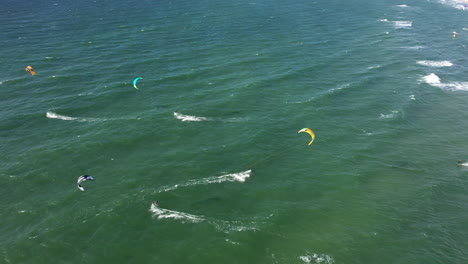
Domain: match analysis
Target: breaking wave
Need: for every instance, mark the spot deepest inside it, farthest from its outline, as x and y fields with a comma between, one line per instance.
x=188, y=118
x=435, y=63
x=317, y=258
x=434, y=80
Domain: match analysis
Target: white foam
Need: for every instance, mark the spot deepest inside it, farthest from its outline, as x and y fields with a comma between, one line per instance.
x=435, y=63
x=317, y=258
x=374, y=67
x=239, y=177
x=388, y=116
x=434, y=80
x=402, y=24
x=463, y=164
x=402, y=6
x=61, y=117
x=53, y=115
x=161, y=213
x=412, y=97
x=399, y=24
x=188, y=118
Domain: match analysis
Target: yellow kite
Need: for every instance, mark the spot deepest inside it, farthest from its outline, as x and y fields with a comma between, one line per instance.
x=310, y=132
x=30, y=70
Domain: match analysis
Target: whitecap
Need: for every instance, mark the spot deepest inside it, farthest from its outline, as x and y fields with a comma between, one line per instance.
x=403, y=24
x=402, y=6
x=435, y=63
x=392, y=114
x=317, y=258
x=434, y=80
x=374, y=67
x=161, y=213
x=188, y=118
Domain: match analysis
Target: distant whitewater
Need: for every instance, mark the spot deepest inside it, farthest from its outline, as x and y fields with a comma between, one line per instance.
x=399, y=24
x=232, y=177
x=188, y=118
x=435, y=81
x=317, y=258
x=435, y=63
x=161, y=213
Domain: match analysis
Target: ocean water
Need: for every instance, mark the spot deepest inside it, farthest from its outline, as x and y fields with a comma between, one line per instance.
x=211, y=133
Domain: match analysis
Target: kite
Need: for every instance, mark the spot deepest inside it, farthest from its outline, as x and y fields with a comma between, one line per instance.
x=30, y=70
x=83, y=178
x=310, y=132
x=135, y=82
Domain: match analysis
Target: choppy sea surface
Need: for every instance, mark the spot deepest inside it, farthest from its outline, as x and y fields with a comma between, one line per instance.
x=211, y=133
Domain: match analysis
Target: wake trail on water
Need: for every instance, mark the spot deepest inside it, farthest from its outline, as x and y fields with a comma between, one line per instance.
x=161, y=213
x=221, y=225
x=53, y=115
x=231, y=177
x=190, y=118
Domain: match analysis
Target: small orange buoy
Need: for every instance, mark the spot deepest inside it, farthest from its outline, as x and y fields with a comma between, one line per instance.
x=30, y=70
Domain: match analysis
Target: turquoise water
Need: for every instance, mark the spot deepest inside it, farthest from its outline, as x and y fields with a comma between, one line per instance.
x=212, y=132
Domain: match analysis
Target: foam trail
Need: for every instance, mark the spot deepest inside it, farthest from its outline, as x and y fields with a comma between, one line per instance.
x=403, y=24
x=435, y=63
x=239, y=177
x=434, y=80
x=61, y=117
x=53, y=115
x=188, y=118
x=161, y=213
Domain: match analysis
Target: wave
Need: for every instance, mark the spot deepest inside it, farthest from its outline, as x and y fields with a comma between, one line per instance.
x=392, y=114
x=324, y=93
x=435, y=63
x=398, y=24
x=434, y=80
x=188, y=118
x=161, y=213
x=317, y=258
x=403, y=24
x=239, y=177
x=458, y=4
